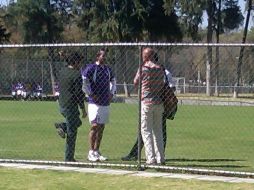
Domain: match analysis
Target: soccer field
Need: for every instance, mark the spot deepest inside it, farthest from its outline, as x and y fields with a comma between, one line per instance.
x=210, y=137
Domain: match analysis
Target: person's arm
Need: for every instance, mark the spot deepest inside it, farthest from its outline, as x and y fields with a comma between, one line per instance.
x=113, y=86
x=170, y=79
x=80, y=95
x=86, y=85
x=136, y=79
x=112, y=83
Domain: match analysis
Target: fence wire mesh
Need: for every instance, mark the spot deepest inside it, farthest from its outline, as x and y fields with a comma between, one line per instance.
x=212, y=129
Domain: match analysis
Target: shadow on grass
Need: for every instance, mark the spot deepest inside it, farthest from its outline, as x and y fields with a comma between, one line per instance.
x=204, y=160
x=207, y=163
x=208, y=166
x=197, y=163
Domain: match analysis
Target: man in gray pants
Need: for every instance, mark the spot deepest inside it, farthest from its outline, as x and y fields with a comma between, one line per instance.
x=70, y=99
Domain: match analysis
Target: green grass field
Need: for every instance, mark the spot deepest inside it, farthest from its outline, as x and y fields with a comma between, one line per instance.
x=17, y=179
x=210, y=137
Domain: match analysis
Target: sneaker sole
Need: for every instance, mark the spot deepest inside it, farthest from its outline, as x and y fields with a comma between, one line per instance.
x=103, y=159
x=91, y=160
x=61, y=133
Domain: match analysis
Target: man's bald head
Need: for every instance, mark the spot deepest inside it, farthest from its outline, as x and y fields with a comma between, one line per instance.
x=147, y=54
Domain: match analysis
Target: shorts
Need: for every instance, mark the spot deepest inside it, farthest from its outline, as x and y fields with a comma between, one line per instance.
x=98, y=114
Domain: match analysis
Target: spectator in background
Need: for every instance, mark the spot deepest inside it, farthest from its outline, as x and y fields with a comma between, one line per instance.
x=70, y=99
x=37, y=91
x=13, y=90
x=100, y=85
x=133, y=154
x=56, y=89
x=28, y=89
x=20, y=91
x=152, y=82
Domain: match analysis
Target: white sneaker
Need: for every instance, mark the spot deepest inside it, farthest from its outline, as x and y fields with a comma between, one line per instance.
x=92, y=157
x=101, y=158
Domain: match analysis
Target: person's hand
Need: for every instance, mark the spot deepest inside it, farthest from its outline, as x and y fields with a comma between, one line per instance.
x=84, y=114
x=94, y=97
x=111, y=97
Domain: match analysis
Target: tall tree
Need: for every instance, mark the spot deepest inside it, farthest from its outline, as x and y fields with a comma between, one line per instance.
x=227, y=17
x=161, y=25
x=128, y=20
x=191, y=13
x=38, y=23
x=240, y=59
x=217, y=53
x=11, y=21
x=110, y=20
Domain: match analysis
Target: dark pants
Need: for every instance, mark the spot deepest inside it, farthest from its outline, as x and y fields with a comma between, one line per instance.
x=134, y=150
x=70, y=127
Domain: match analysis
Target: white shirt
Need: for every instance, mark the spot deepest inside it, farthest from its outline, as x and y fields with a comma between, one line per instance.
x=170, y=79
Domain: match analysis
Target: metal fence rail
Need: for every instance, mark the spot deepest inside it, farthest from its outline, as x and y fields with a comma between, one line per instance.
x=212, y=131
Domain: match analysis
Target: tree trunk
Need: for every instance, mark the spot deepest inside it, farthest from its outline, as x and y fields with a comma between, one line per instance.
x=210, y=11
x=52, y=70
x=217, y=58
x=125, y=68
x=240, y=60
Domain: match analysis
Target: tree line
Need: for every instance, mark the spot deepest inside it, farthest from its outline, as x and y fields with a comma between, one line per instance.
x=58, y=21
x=46, y=21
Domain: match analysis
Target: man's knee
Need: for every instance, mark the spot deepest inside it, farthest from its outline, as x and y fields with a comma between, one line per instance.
x=97, y=128
x=71, y=132
x=94, y=128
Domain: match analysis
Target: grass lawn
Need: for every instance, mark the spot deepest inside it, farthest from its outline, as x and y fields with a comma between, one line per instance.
x=211, y=137
x=18, y=179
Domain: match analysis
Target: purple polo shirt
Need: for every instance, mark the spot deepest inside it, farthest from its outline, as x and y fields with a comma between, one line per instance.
x=99, y=77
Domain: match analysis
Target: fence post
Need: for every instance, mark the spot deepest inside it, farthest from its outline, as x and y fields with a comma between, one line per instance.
x=139, y=111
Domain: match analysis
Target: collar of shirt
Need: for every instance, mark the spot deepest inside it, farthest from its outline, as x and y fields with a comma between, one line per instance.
x=150, y=64
x=98, y=64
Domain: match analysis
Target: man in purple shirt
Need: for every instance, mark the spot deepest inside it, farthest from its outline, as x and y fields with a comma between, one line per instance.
x=100, y=85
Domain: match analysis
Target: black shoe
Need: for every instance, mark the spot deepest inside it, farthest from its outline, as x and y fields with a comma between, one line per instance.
x=60, y=130
x=71, y=160
x=129, y=158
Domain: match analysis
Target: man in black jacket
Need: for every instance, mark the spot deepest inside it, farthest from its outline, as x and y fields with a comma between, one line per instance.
x=70, y=99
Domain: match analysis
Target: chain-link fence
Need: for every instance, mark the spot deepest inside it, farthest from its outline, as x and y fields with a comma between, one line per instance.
x=212, y=131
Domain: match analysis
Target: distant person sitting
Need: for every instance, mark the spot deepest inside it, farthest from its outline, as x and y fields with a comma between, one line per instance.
x=13, y=91
x=37, y=91
x=20, y=91
x=56, y=89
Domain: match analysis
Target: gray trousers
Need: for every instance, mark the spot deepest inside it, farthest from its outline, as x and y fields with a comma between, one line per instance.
x=70, y=127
